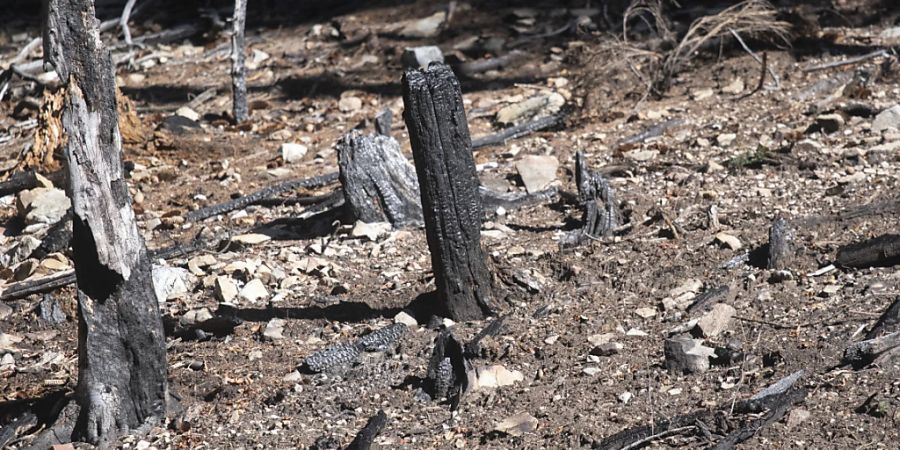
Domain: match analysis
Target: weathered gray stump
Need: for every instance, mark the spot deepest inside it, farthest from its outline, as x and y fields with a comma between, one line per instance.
x=601, y=215
x=442, y=150
x=781, y=245
x=121, y=348
x=883, y=250
x=238, y=69
x=379, y=183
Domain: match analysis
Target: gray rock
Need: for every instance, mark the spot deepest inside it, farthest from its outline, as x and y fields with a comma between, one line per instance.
x=717, y=320
x=421, y=57
x=830, y=123
x=537, y=171
x=274, y=329
x=889, y=118
x=686, y=355
x=43, y=205
x=169, y=282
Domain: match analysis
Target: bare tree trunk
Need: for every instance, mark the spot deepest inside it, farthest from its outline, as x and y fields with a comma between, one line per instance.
x=442, y=150
x=121, y=347
x=238, y=53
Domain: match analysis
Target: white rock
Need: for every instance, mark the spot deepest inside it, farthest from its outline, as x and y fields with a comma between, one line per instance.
x=421, y=57
x=590, y=371
x=372, y=231
x=349, y=104
x=251, y=238
x=725, y=139
x=717, y=320
x=494, y=376
x=625, y=397
x=735, y=87
x=537, y=172
x=406, y=319
x=517, y=425
x=686, y=355
x=43, y=205
x=889, y=118
x=645, y=313
x=170, y=282
x=600, y=339
x=423, y=28
x=253, y=291
x=187, y=113
x=729, y=241
x=275, y=329
x=292, y=152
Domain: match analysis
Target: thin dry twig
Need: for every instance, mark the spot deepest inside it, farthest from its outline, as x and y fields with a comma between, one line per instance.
x=756, y=57
x=847, y=62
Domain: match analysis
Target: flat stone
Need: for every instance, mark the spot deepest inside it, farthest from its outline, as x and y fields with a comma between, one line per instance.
x=5, y=310
x=641, y=155
x=645, y=313
x=531, y=108
x=225, y=289
x=406, y=319
x=600, y=339
x=517, y=425
x=43, y=205
x=170, y=282
x=274, y=329
x=371, y=231
x=717, y=320
x=889, y=118
x=425, y=27
x=421, y=57
x=496, y=375
x=253, y=291
x=537, y=171
x=188, y=113
x=195, y=316
x=686, y=355
x=292, y=152
x=349, y=104
x=725, y=139
x=735, y=87
x=830, y=123
x=729, y=241
x=251, y=238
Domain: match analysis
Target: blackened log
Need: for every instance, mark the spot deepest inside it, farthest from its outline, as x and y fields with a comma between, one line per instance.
x=491, y=200
x=121, y=347
x=442, y=150
x=781, y=245
x=262, y=194
x=889, y=321
x=883, y=250
x=21, y=181
x=517, y=131
x=861, y=354
x=379, y=183
x=447, y=370
x=366, y=436
x=238, y=69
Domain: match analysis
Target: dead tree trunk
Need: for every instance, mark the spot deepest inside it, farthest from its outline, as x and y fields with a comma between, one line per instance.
x=379, y=183
x=238, y=70
x=442, y=150
x=121, y=348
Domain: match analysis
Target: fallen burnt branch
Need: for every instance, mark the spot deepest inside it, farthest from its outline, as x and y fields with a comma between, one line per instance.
x=861, y=354
x=57, y=238
x=265, y=193
x=366, y=436
x=21, y=181
x=774, y=402
x=883, y=250
x=473, y=347
x=517, y=131
x=345, y=354
x=649, y=133
x=470, y=68
x=889, y=321
x=847, y=62
x=492, y=200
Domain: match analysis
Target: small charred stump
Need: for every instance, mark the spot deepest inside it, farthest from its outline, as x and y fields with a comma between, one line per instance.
x=446, y=377
x=445, y=167
x=601, y=214
x=379, y=183
x=781, y=245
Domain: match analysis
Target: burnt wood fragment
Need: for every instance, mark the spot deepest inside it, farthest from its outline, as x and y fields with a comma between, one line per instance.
x=366, y=436
x=446, y=377
x=21, y=181
x=121, y=346
x=781, y=245
x=889, y=321
x=379, y=183
x=883, y=250
x=383, y=122
x=491, y=200
x=57, y=238
x=861, y=354
x=345, y=354
x=601, y=214
x=473, y=347
x=517, y=131
x=442, y=150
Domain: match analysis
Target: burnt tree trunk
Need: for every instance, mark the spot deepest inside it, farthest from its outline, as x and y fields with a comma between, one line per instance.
x=442, y=150
x=379, y=183
x=238, y=55
x=121, y=348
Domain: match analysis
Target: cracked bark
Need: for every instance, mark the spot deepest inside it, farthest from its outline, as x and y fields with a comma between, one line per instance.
x=121, y=348
x=451, y=205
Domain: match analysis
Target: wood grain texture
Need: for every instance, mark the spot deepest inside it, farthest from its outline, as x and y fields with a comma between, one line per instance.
x=442, y=150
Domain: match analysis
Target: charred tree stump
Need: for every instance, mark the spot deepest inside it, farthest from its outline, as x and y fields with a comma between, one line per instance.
x=121, y=348
x=883, y=250
x=379, y=183
x=442, y=150
x=446, y=377
x=601, y=215
x=781, y=245
x=238, y=55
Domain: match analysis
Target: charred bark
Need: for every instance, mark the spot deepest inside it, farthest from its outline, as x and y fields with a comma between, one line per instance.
x=781, y=245
x=883, y=250
x=238, y=69
x=121, y=348
x=601, y=214
x=442, y=150
x=379, y=183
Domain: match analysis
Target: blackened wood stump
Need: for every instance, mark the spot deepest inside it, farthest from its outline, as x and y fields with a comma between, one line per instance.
x=442, y=150
x=121, y=347
x=379, y=183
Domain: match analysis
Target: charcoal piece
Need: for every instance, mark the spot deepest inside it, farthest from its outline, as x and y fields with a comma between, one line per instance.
x=889, y=321
x=442, y=150
x=383, y=339
x=366, y=436
x=861, y=354
x=379, y=183
x=57, y=238
x=332, y=357
x=50, y=310
x=882, y=251
x=447, y=369
x=383, y=122
x=781, y=245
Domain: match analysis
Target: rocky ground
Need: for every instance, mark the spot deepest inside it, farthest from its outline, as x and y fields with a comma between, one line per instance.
x=700, y=174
